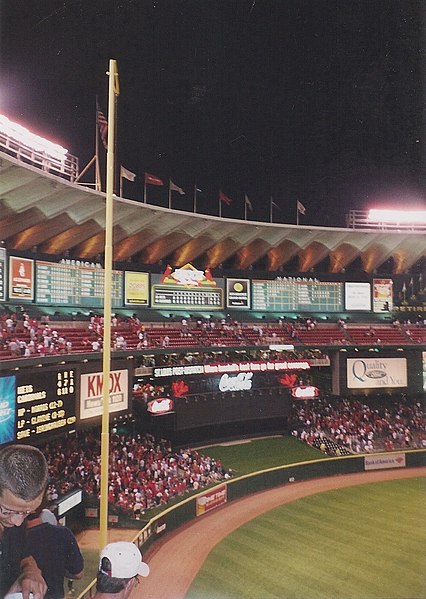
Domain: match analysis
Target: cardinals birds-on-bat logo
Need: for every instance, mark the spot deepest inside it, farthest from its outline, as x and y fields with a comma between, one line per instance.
x=187, y=275
x=288, y=380
x=179, y=388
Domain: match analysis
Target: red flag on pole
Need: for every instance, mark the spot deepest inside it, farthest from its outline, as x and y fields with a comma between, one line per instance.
x=153, y=180
x=224, y=198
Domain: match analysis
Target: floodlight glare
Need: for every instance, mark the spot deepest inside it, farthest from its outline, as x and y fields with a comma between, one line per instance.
x=31, y=140
x=417, y=217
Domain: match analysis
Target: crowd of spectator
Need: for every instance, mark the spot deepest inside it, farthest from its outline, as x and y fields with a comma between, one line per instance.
x=144, y=471
x=25, y=336
x=362, y=427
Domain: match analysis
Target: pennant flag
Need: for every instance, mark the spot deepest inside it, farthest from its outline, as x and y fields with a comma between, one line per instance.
x=274, y=204
x=248, y=203
x=301, y=208
x=174, y=187
x=126, y=174
x=224, y=198
x=103, y=126
x=404, y=287
x=153, y=180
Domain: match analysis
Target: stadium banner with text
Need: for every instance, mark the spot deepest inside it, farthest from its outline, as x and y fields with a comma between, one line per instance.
x=91, y=393
x=211, y=499
x=376, y=373
x=232, y=367
x=238, y=293
x=21, y=278
x=136, y=288
x=380, y=462
x=382, y=295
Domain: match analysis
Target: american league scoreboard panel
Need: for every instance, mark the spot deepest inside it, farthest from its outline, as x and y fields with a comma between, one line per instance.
x=75, y=285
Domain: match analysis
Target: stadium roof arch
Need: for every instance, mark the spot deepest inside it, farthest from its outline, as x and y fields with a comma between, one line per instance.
x=60, y=218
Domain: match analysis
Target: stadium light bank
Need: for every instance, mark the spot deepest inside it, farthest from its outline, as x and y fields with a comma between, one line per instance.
x=28, y=147
x=387, y=219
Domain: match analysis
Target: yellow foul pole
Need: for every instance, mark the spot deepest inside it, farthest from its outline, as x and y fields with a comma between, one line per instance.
x=113, y=92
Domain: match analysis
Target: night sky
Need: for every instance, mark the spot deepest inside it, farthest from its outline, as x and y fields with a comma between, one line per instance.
x=313, y=100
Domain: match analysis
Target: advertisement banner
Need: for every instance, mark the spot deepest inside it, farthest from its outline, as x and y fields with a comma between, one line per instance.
x=358, y=296
x=379, y=462
x=424, y=369
x=382, y=295
x=376, y=373
x=91, y=393
x=211, y=499
x=136, y=288
x=21, y=278
x=2, y=274
x=237, y=293
x=7, y=409
x=232, y=368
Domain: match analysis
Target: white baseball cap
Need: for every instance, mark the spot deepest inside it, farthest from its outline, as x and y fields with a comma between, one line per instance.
x=125, y=560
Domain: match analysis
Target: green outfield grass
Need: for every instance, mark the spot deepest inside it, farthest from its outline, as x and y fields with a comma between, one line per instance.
x=363, y=542
x=259, y=454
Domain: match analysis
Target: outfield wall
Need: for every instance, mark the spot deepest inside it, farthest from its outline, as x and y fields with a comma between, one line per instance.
x=204, y=502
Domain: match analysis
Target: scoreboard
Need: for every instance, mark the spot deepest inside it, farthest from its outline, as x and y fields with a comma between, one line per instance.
x=41, y=403
x=296, y=296
x=191, y=292
x=173, y=297
x=36, y=403
x=66, y=284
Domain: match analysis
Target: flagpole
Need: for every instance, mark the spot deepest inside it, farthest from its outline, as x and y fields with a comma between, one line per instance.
x=98, y=184
x=106, y=363
x=170, y=197
x=220, y=206
x=195, y=198
x=297, y=213
x=121, y=184
x=144, y=188
x=270, y=210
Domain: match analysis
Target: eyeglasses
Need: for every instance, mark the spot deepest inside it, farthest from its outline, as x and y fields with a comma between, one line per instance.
x=6, y=512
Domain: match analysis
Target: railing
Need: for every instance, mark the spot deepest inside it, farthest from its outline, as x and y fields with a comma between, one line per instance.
x=66, y=167
x=358, y=219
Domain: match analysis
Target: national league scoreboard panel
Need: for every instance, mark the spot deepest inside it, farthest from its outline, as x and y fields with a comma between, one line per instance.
x=282, y=295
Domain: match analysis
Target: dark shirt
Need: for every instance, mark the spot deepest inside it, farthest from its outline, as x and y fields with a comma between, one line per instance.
x=13, y=549
x=56, y=552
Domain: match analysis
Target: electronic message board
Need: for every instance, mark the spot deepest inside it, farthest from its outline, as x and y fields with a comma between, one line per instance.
x=45, y=402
